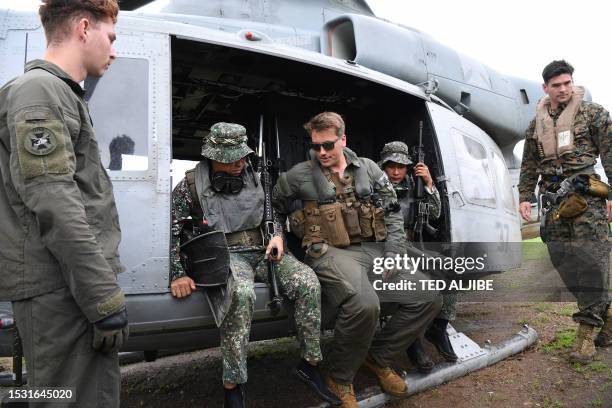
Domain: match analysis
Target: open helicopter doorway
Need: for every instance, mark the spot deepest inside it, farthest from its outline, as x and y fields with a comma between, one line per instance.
x=213, y=83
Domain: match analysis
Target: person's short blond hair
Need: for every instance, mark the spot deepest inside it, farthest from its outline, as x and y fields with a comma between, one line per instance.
x=56, y=15
x=326, y=120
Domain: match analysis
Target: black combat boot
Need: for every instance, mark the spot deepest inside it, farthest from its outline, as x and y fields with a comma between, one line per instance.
x=236, y=397
x=436, y=334
x=604, y=338
x=312, y=377
x=419, y=357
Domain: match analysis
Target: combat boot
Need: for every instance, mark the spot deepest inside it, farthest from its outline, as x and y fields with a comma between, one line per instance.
x=437, y=335
x=585, y=348
x=390, y=381
x=419, y=357
x=311, y=375
x=346, y=393
x=604, y=337
x=236, y=397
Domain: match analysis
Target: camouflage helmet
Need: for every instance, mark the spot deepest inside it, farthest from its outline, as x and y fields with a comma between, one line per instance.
x=226, y=143
x=396, y=152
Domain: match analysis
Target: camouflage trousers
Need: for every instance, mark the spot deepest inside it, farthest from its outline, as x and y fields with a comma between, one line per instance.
x=449, y=306
x=579, y=249
x=297, y=282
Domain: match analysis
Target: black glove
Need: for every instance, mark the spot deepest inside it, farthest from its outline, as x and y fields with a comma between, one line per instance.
x=111, y=332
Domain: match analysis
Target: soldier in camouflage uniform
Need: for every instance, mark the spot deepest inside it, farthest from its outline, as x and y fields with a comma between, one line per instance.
x=349, y=218
x=564, y=141
x=395, y=161
x=208, y=195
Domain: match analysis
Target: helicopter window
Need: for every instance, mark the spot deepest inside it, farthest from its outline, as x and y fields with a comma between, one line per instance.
x=118, y=103
x=474, y=172
x=503, y=178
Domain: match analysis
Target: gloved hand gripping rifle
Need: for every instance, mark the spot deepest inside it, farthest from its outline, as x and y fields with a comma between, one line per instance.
x=268, y=221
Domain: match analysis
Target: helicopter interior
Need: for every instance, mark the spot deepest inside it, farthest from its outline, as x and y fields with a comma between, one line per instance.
x=212, y=83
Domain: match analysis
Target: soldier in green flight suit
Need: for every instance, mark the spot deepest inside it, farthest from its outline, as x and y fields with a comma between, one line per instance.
x=562, y=143
x=344, y=229
x=59, y=227
x=224, y=193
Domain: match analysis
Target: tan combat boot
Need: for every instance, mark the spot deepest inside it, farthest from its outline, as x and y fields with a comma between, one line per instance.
x=585, y=348
x=390, y=381
x=604, y=338
x=345, y=392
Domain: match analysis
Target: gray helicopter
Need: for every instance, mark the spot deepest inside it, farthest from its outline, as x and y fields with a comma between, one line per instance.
x=196, y=63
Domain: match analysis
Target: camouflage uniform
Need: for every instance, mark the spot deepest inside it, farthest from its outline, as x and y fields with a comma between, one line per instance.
x=579, y=247
x=297, y=281
x=398, y=152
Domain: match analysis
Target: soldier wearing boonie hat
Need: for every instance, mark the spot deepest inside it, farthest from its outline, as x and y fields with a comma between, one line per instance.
x=224, y=193
x=396, y=152
x=226, y=143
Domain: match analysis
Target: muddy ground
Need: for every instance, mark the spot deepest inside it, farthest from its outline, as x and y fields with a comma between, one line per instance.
x=539, y=377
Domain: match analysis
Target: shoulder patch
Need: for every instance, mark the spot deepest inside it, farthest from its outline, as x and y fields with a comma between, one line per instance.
x=41, y=147
x=40, y=141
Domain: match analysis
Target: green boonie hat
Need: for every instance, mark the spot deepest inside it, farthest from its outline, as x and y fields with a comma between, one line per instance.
x=226, y=143
x=396, y=152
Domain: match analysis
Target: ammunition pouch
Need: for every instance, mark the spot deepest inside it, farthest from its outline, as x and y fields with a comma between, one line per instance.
x=350, y=215
x=378, y=224
x=296, y=223
x=572, y=206
x=366, y=222
x=207, y=259
x=333, y=225
x=596, y=187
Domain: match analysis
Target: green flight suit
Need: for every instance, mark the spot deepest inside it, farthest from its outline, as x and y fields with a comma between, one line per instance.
x=345, y=275
x=59, y=234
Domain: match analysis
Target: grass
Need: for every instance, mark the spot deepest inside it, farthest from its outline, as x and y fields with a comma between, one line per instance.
x=534, y=249
x=522, y=321
x=542, y=307
x=598, y=366
x=567, y=310
x=596, y=402
x=563, y=339
x=578, y=367
x=550, y=403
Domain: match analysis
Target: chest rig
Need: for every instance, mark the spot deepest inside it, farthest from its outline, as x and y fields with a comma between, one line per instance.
x=344, y=212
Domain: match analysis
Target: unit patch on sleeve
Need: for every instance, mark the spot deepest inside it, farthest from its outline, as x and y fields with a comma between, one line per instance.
x=40, y=141
x=42, y=147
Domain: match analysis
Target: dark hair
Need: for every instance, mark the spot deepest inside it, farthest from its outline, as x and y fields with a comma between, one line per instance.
x=326, y=120
x=56, y=15
x=556, y=68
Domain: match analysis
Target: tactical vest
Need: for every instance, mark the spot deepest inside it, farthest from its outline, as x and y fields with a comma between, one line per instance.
x=343, y=213
x=556, y=137
x=227, y=212
x=407, y=202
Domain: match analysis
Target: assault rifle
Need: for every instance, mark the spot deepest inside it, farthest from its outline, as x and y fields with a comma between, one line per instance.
x=422, y=211
x=268, y=220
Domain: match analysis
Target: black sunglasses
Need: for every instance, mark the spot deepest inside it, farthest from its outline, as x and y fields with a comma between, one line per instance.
x=326, y=145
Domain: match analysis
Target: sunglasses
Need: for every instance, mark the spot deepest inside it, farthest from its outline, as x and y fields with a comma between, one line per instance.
x=326, y=145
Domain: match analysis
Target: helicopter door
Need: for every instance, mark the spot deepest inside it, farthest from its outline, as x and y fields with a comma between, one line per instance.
x=479, y=189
